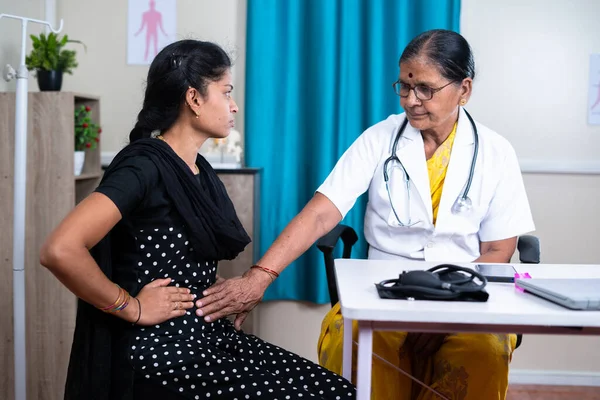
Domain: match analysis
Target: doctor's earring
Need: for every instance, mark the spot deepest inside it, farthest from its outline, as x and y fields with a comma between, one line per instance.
x=463, y=102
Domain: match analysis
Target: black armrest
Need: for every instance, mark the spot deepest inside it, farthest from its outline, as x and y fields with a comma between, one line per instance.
x=326, y=244
x=529, y=249
x=347, y=234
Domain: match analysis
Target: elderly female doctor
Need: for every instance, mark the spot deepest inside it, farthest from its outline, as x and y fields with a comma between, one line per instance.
x=441, y=188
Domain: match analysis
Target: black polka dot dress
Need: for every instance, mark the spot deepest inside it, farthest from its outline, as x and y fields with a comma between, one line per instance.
x=187, y=356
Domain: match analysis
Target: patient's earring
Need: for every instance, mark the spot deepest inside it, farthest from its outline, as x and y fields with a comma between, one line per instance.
x=463, y=102
x=197, y=115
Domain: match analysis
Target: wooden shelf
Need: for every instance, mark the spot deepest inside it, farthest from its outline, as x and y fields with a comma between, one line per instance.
x=92, y=170
x=82, y=97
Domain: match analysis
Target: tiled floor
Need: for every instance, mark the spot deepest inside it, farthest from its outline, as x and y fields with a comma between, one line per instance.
x=533, y=392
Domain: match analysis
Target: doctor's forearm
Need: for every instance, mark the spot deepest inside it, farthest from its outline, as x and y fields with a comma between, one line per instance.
x=493, y=256
x=497, y=251
x=317, y=218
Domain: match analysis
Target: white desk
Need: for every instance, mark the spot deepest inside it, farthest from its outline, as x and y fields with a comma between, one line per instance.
x=506, y=311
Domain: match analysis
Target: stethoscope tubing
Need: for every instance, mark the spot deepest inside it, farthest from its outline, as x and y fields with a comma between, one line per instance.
x=393, y=156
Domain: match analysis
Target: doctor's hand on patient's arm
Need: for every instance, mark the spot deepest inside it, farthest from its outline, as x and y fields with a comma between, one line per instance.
x=236, y=296
x=498, y=251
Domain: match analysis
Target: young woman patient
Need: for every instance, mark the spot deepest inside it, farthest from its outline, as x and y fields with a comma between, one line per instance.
x=146, y=243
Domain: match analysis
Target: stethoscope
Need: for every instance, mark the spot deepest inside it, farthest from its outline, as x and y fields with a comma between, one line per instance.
x=463, y=202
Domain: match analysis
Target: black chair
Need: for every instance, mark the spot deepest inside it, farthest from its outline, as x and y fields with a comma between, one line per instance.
x=527, y=245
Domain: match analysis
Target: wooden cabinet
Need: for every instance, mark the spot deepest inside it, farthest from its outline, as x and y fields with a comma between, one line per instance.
x=52, y=191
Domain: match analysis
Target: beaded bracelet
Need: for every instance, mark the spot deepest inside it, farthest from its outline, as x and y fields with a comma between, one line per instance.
x=269, y=271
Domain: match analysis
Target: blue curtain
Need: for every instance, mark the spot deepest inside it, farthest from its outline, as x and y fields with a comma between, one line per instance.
x=318, y=73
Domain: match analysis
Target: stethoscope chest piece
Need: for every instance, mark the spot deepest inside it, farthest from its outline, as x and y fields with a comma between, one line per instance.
x=462, y=205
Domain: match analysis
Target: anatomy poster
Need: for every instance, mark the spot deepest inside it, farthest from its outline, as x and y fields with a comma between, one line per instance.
x=594, y=90
x=151, y=25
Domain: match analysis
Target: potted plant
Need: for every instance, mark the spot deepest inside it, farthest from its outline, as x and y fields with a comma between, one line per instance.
x=87, y=135
x=50, y=60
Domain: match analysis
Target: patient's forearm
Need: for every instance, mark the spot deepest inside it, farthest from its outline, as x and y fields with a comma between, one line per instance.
x=317, y=218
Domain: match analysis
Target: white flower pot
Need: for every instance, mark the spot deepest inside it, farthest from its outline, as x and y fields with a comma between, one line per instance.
x=79, y=161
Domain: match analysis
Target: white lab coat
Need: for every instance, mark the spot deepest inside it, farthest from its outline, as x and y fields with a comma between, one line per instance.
x=500, y=207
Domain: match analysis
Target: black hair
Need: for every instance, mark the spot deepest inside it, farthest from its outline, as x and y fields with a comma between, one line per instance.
x=446, y=49
x=175, y=68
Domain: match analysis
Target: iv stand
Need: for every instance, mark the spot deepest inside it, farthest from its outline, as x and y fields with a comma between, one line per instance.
x=20, y=177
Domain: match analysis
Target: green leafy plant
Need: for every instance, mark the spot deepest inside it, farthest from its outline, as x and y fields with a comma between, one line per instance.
x=48, y=53
x=87, y=133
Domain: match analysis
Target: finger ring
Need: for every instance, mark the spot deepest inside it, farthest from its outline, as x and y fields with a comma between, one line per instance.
x=177, y=305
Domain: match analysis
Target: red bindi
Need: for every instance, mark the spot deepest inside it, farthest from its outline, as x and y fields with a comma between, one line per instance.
x=410, y=75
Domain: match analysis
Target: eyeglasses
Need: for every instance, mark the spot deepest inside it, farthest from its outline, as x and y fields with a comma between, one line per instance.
x=422, y=92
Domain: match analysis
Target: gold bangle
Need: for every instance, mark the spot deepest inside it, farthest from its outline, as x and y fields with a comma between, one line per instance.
x=120, y=304
x=105, y=309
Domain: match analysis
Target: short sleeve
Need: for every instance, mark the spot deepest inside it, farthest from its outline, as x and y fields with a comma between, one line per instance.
x=509, y=214
x=128, y=183
x=352, y=174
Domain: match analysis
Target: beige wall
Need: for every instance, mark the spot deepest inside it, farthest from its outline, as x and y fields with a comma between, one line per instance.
x=532, y=60
x=540, y=46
